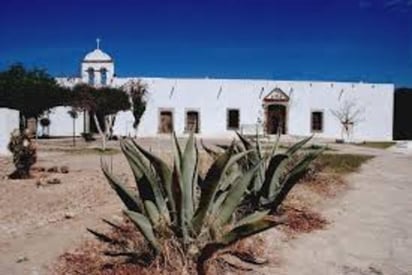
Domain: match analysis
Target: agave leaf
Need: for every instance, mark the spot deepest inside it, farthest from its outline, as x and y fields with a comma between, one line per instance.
x=233, y=199
x=147, y=184
x=297, y=172
x=176, y=150
x=210, y=187
x=177, y=196
x=273, y=174
x=211, y=152
x=274, y=147
x=257, y=215
x=165, y=175
x=145, y=227
x=246, y=230
x=188, y=169
x=152, y=213
x=102, y=237
x=131, y=201
x=115, y=226
x=247, y=144
x=293, y=149
x=213, y=181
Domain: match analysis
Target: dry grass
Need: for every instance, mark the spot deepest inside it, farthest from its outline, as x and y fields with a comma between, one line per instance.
x=341, y=163
x=377, y=144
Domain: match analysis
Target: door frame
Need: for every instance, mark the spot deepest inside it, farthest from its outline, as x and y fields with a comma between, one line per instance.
x=266, y=107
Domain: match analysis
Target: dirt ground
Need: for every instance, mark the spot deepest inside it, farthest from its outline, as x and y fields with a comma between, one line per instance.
x=370, y=231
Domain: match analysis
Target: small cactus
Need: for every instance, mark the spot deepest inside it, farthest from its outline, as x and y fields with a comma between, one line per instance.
x=23, y=148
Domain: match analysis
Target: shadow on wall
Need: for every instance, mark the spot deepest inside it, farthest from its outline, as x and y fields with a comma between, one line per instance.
x=402, y=118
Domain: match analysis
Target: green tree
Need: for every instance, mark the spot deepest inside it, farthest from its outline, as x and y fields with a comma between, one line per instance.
x=104, y=102
x=30, y=91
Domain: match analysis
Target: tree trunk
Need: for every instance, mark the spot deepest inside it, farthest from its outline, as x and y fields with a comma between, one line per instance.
x=74, y=132
x=99, y=129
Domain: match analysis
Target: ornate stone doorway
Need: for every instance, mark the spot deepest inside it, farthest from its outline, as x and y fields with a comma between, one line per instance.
x=275, y=106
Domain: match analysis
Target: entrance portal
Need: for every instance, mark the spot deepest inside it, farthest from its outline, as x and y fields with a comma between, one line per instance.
x=276, y=119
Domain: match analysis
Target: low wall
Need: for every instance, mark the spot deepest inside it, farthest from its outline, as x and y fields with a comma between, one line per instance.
x=9, y=120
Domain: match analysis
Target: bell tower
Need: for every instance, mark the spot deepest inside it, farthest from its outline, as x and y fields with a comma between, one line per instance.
x=97, y=68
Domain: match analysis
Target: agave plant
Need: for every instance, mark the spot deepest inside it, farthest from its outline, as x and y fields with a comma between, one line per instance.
x=276, y=173
x=177, y=202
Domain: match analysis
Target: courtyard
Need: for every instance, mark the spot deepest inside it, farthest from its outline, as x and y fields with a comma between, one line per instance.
x=41, y=221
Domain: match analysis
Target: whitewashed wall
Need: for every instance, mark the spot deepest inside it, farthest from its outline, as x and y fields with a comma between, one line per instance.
x=9, y=120
x=61, y=123
x=212, y=98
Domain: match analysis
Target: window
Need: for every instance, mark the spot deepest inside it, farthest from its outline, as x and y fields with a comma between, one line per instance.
x=103, y=78
x=233, y=119
x=90, y=73
x=317, y=121
x=192, y=122
x=166, y=122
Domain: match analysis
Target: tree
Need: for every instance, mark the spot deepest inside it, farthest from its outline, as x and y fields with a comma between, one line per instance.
x=137, y=91
x=30, y=91
x=348, y=114
x=102, y=102
x=74, y=115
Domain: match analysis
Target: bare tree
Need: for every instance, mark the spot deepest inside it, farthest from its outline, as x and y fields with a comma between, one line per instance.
x=349, y=114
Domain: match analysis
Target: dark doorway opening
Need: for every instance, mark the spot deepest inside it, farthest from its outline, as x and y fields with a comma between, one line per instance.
x=276, y=119
x=402, y=117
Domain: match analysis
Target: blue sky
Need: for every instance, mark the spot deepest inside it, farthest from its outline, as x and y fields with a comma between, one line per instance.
x=343, y=40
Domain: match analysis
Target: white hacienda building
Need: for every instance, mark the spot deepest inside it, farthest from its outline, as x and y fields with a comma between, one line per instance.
x=217, y=107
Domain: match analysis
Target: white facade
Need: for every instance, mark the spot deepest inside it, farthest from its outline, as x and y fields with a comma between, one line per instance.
x=253, y=101
x=9, y=121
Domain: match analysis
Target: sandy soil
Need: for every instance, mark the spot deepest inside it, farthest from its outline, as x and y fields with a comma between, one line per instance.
x=370, y=230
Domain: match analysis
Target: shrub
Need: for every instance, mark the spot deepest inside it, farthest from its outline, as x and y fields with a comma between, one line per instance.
x=23, y=148
x=88, y=137
x=199, y=214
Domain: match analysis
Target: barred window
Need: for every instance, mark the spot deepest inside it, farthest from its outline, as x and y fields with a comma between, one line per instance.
x=317, y=121
x=233, y=119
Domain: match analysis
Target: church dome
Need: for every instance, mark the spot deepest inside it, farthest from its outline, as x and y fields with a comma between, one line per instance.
x=97, y=55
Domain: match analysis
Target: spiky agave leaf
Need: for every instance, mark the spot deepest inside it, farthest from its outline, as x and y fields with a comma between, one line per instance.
x=247, y=229
x=102, y=237
x=165, y=176
x=213, y=180
x=130, y=200
x=255, y=216
x=188, y=170
x=297, y=146
x=273, y=176
x=147, y=184
x=297, y=172
x=211, y=152
x=177, y=151
x=145, y=227
x=234, y=198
